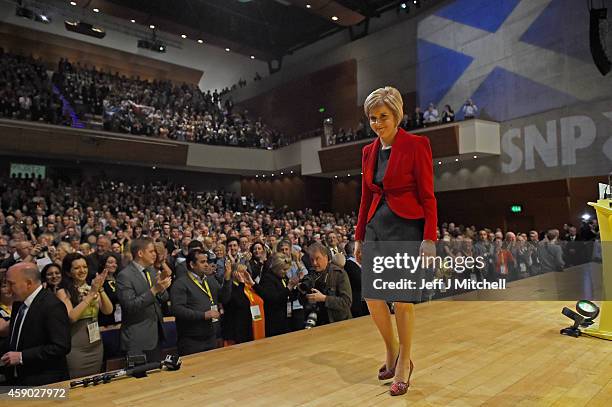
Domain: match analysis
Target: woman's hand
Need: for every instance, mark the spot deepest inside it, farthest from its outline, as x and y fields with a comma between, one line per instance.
x=428, y=251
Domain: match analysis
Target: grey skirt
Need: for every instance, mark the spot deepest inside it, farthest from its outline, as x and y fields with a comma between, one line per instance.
x=85, y=358
x=386, y=226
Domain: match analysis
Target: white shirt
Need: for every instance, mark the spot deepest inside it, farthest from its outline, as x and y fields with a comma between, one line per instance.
x=28, y=303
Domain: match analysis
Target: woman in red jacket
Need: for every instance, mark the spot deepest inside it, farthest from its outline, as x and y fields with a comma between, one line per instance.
x=397, y=204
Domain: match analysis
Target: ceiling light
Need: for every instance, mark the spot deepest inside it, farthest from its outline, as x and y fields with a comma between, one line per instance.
x=456, y=159
x=403, y=5
x=439, y=162
x=183, y=36
x=348, y=175
x=334, y=18
x=272, y=174
x=200, y=41
x=152, y=27
x=96, y=10
x=252, y=56
x=73, y=3
x=227, y=49
x=132, y=20
x=475, y=156
x=335, y=176
x=282, y=173
x=308, y=6
x=256, y=176
x=292, y=172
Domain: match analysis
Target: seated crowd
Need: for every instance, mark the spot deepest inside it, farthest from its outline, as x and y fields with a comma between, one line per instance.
x=29, y=91
x=228, y=270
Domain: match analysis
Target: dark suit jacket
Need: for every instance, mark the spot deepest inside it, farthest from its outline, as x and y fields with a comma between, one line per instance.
x=141, y=313
x=44, y=342
x=354, y=275
x=275, y=296
x=408, y=183
x=189, y=303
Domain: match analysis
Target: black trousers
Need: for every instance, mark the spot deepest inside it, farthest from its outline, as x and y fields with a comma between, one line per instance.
x=188, y=345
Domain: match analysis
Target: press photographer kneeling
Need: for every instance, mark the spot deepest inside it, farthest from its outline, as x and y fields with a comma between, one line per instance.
x=325, y=292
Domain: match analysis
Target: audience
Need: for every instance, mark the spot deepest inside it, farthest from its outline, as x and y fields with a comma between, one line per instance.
x=149, y=239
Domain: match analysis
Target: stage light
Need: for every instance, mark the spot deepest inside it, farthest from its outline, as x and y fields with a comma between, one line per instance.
x=152, y=45
x=272, y=174
x=132, y=20
x=96, y=10
x=348, y=175
x=256, y=176
x=292, y=172
x=456, y=159
x=227, y=50
x=403, y=5
x=152, y=27
x=263, y=176
x=334, y=18
x=587, y=312
x=439, y=162
x=200, y=42
x=308, y=6
x=587, y=309
x=335, y=176
x=282, y=173
x=475, y=156
x=183, y=36
x=154, y=168
x=73, y=3
x=586, y=217
x=252, y=56
x=84, y=28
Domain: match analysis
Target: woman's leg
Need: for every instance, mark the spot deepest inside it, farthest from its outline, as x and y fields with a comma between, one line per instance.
x=404, y=318
x=382, y=318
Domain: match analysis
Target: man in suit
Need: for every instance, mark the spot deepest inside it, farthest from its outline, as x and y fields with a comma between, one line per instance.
x=34, y=354
x=550, y=253
x=141, y=290
x=195, y=298
x=353, y=271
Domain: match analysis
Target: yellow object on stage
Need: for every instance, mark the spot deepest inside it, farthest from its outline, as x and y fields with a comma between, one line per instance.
x=603, y=207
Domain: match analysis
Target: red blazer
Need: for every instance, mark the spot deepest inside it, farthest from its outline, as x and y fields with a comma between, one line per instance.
x=408, y=183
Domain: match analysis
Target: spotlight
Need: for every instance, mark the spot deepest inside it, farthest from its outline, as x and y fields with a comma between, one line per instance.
x=152, y=45
x=132, y=20
x=31, y=14
x=456, y=159
x=200, y=42
x=587, y=309
x=152, y=27
x=84, y=28
x=96, y=10
x=403, y=5
x=334, y=18
x=73, y=3
x=587, y=312
x=252, y=56
x=183, y=36
x=308, y=6
x=586, y=217
x=227, y=49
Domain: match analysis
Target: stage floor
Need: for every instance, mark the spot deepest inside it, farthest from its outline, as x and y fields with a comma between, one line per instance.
x=466, y=353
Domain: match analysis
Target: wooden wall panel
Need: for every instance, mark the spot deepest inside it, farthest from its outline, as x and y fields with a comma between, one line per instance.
x=50, y=48
x=444, y=143
x=293, y=107
x=63, y=142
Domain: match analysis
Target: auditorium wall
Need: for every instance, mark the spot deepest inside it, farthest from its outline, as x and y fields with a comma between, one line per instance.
x=220, y=68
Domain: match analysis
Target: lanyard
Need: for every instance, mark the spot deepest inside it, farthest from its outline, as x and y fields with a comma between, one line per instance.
x=6, y=309
x=206, y=290
x=148, y=278
x=111, y=284
x=284, y=283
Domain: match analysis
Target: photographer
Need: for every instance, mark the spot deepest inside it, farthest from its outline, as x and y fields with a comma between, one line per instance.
x=326, y=290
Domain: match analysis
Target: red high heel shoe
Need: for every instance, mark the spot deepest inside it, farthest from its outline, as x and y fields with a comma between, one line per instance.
x=386, y=374
x=399, y=388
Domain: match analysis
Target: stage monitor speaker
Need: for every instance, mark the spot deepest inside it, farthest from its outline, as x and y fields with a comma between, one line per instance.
x=600, y=50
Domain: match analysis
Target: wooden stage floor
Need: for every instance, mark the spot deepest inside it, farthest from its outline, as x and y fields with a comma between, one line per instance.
x=466, y=353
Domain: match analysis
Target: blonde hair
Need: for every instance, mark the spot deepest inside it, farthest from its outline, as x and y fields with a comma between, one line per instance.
x=387, y=96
